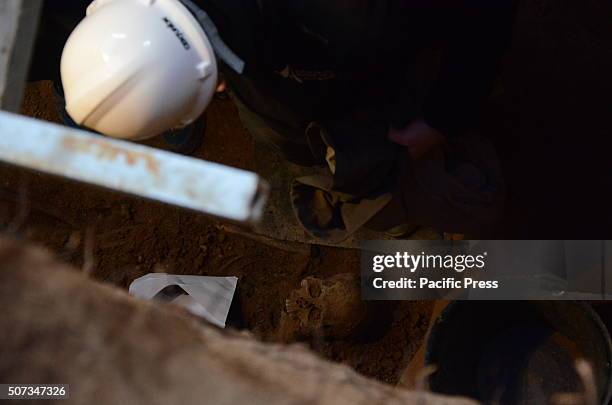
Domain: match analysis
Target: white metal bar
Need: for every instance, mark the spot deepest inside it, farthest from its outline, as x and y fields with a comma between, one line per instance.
x=203, y=186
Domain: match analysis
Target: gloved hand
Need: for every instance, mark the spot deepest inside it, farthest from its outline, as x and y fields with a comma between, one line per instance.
x=418, y=136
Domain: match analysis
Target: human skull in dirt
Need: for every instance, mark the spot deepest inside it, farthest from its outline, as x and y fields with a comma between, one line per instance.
x=329, y=307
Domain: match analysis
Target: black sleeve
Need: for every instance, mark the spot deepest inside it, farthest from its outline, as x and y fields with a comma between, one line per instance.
x=477, y=33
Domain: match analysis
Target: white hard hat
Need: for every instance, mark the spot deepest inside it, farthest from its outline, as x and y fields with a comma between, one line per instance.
x=133, y=69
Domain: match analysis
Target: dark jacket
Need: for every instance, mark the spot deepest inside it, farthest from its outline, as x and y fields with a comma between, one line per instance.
x=320, y=59
x=334, y=75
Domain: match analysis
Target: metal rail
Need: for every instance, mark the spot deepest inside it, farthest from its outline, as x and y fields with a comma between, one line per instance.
x=211, y=188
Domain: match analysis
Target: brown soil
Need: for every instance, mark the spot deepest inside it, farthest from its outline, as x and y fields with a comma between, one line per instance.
x=118, y=238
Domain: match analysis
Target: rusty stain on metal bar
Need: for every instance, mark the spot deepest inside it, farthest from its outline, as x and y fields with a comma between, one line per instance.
x=104, y=150
x=211, y=188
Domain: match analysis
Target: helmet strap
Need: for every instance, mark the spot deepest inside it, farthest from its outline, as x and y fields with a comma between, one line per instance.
x=221, y=49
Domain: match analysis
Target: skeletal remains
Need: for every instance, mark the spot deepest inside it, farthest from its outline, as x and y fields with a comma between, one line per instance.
x=329, y=307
